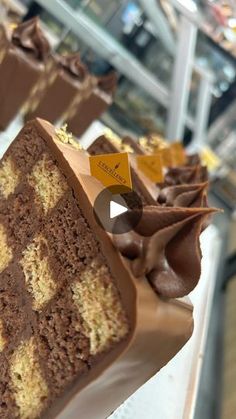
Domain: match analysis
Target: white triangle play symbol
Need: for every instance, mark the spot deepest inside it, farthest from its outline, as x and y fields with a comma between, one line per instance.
x=116, y=209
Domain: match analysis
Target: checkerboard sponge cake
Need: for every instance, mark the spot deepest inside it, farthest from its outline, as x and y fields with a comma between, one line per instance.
x=61, y=309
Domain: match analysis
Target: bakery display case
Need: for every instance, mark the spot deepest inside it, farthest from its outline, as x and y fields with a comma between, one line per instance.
x=134, y=40
x=218, y=21
x=222, y=137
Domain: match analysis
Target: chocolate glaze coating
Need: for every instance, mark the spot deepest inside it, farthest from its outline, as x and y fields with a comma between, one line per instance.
x=20, y=68
x=57, y=96
x=94, y=104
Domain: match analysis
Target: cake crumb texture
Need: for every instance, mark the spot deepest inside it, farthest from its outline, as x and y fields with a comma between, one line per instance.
x=70, y=241
x=62, y=341
x=13, y=306
x=26, y=149
x=21, y=217
x=38, y=274
x=48, y=182
x=9, y=177
x=5, y=250
x=2, y=337
x=30, y=388
x=8, y=407
x=59, y=304
x=97, y=300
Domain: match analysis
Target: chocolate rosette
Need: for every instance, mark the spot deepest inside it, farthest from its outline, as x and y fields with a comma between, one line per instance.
x=193, y=160
x=73, y=65
x=186, y=175
x=108, y=83
x=165, y=247
x=188, y=196
x=29, y=37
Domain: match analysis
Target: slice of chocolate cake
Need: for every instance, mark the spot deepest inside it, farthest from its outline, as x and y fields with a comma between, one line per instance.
x=80, y=116
x=65, y=80
x=60, y=302
x=69, y=305
x=23, y=52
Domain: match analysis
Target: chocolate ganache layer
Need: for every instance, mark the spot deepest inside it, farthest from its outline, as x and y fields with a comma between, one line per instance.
x=165, y=247
x=29, y=37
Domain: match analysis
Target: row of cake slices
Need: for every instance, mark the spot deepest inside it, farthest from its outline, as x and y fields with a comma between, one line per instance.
x=40, y=83
x=36, y=275
x=178, y=204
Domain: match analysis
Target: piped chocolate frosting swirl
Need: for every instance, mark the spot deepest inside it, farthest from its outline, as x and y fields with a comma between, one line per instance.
x=186, y=175
x=73, y=65
x=29, y=37
x=165, y=247
x=193, y=159
x=107, y=83
x=188, y=196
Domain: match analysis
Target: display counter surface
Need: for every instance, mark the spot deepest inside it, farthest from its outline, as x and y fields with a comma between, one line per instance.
x=172, y=393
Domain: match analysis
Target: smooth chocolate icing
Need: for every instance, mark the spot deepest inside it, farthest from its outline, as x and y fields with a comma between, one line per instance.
x=72, y=63
x=192, y=195
x=165, y=247
x=108, y=83
x=29, y=37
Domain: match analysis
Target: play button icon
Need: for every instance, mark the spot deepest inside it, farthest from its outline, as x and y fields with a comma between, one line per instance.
x=117, y=213
x=116, y=209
